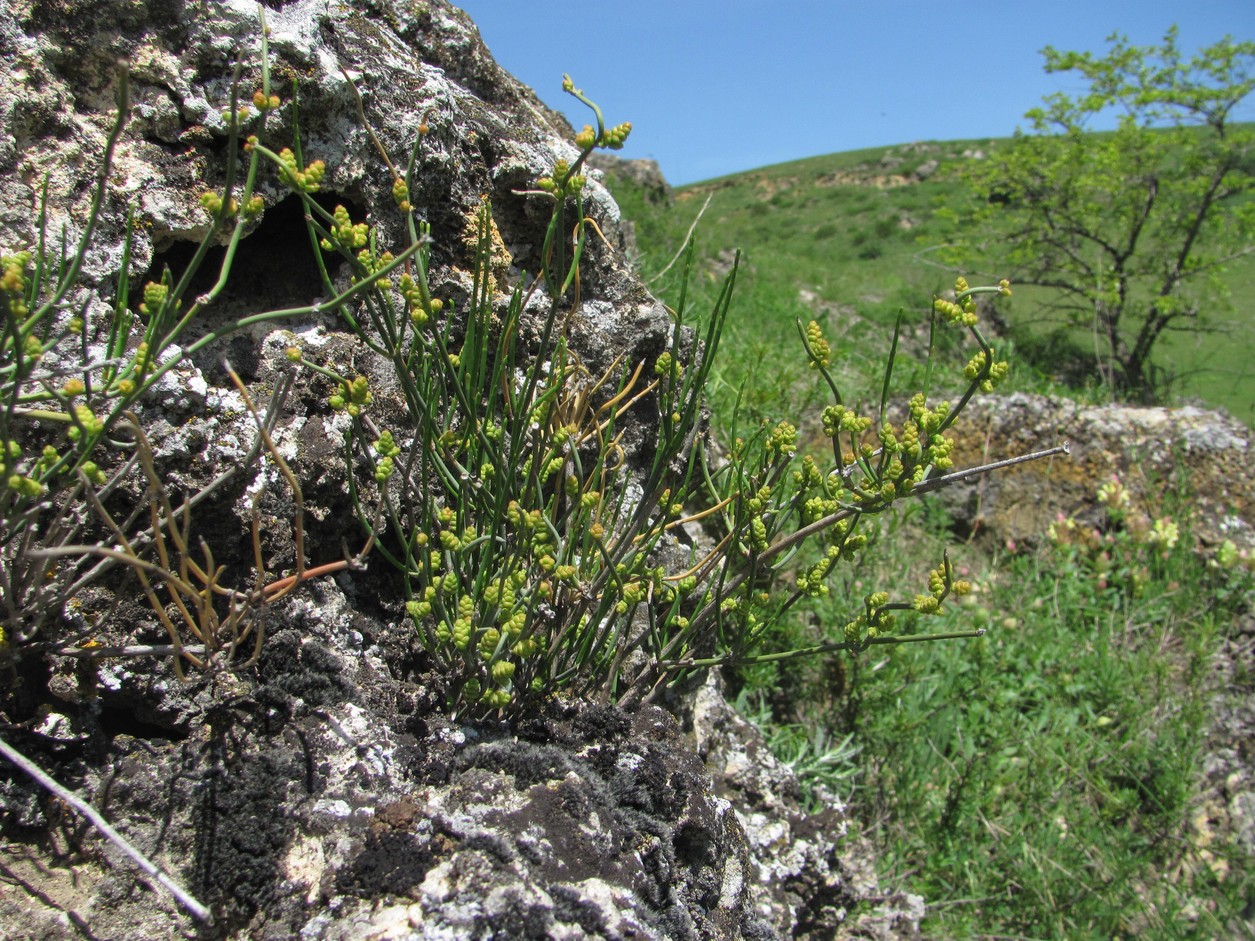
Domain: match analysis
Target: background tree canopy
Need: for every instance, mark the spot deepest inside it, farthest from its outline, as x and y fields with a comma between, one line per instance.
x=1128, y=230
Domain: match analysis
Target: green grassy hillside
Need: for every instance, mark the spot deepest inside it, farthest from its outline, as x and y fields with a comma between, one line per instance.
x=852, y=238
x=1041, y=781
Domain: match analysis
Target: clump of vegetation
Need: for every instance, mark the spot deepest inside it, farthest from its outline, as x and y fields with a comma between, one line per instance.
x=534, y=555
x=68, y=399
x=1042, y=780
x=531, y=550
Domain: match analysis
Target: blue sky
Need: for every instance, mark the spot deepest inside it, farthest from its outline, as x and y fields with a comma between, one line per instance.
x=719, y=86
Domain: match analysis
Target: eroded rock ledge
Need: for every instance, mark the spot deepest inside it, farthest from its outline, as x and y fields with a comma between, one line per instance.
x=1154, y=452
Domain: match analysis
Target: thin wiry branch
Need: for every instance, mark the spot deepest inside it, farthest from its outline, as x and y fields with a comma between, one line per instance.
x=180, y=894
x=194, y=589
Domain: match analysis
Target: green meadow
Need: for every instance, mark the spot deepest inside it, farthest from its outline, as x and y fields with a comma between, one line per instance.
x=852, y=238
x=1042, y=781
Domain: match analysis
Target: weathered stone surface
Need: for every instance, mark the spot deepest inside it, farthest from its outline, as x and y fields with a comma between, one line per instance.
x=804, y=880
x=645, y=174
x=321, y=794
x=330, y=800
x=1154, y=451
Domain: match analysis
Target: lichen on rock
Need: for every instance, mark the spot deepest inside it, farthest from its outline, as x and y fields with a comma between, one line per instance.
x=321, y=793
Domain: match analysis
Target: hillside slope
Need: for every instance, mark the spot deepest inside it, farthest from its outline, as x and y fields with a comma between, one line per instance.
x=853, y=238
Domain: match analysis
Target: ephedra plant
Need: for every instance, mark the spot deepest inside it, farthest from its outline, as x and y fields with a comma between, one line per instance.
x=534, y=554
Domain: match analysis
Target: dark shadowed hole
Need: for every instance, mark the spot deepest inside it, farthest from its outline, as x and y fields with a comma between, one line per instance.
x=274, y=269
x=123, y=721
x=693, y=845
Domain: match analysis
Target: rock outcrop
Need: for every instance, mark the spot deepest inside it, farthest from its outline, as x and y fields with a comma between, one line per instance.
x=646, y=175
x=1155, y=452
x=322, y=793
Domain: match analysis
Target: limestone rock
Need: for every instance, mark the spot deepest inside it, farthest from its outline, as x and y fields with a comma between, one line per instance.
x=645, y=174
x=322, y=794
x=1152, y=450
x=926, y=169
x=806, y=881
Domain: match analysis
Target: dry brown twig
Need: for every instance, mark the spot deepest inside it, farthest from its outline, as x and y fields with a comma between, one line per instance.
x=208, y=623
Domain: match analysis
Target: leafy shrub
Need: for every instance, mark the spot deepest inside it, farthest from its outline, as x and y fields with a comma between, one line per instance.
x=535, y=556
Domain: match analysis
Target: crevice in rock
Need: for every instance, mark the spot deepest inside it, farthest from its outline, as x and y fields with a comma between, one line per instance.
x=273, y=269
x=122, y=720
